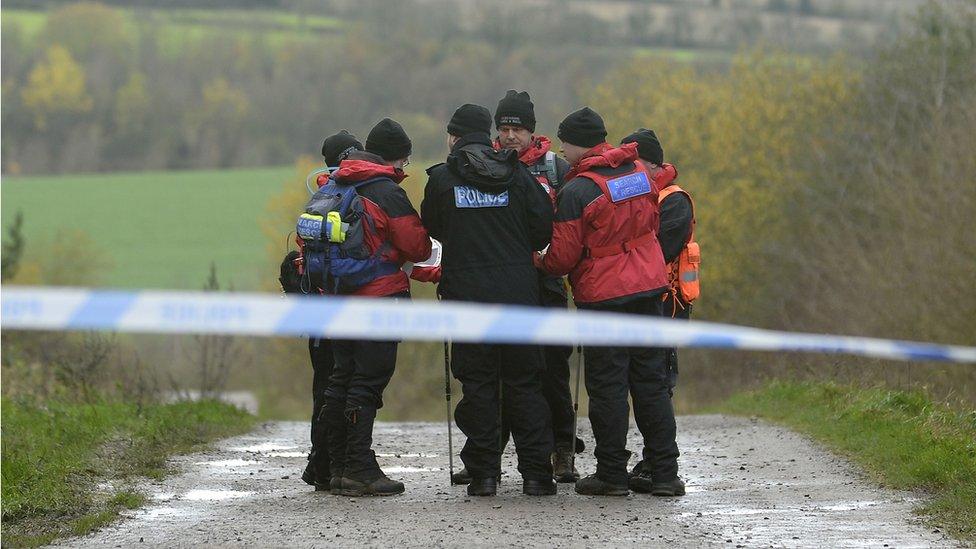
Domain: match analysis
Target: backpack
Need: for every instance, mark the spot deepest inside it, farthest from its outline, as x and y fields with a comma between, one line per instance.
x=683, y=272
x=332, y=231
x=547, y=169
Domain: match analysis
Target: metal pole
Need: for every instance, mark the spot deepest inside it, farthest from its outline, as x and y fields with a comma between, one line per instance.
x=579, y=374
x=501, y=409
x=447, y=396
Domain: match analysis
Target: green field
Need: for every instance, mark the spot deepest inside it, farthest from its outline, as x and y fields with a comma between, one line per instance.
x=177, y=28
x=195, y=20
x=159, y=229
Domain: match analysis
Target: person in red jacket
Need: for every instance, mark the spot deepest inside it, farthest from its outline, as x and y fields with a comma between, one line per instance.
x=363, y=368
x=605, y=238
x=335, y=148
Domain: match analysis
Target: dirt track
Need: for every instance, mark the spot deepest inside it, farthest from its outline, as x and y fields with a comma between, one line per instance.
x=749, y=484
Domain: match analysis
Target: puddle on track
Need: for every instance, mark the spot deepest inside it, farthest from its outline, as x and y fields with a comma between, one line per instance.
x=403, y=470
x=164, y=512
x=230, y=462
x=263, y=447
x=215, y=495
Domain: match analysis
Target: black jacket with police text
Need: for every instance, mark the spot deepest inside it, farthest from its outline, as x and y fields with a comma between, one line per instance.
x=491, y=215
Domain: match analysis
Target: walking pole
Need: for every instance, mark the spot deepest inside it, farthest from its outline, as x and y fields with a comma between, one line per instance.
x=447, y=396
x=501, y=408
x=579, y=374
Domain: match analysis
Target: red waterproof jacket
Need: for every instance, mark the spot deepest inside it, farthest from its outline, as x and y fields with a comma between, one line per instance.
x=605, y=232
x=394, y=220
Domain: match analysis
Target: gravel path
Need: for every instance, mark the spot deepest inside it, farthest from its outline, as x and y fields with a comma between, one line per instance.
x=749, y=484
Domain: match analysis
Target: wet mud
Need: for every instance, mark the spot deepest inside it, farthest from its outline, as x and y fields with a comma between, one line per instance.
x=750, y=484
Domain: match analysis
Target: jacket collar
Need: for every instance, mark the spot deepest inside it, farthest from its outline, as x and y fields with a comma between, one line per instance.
x=604, y=155
x=362, y=165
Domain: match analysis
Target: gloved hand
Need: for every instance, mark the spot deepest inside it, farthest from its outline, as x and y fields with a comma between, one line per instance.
x=426, y=274
x=288, y=276
x=537, y=258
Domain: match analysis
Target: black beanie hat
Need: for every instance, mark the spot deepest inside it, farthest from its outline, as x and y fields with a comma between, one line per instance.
x=648, y=146
x=388, y=140
x=469, y=118
x=515, y=109
x=583, y=128
x=337, y=147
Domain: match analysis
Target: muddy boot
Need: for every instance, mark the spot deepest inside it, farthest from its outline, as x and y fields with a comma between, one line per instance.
x=464, y=477
x=563, y=469
x=376, y=484
x=317, y=472
x=483, y=487
x=595, y=486
x=640, y=480
x=308, y=475
x=672, y=488
x=334, y=418
x=539, y=487
x=362, y=476
x=461, y=477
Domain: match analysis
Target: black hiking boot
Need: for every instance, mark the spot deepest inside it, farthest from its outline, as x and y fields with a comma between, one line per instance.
x=312, y=477
x=483, y=487
x=640, y=480
x=668, y=489
x=333, y=415
x=362, y=476
x=563, y=467
x=317, y=473
x=538, y=487
x=464, y=477
x=381, y=485
x=594, y=486
x=308, y=475
x=461, y=477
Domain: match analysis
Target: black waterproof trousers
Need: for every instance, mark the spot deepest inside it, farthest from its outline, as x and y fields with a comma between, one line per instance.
x=478, y=368
x=320, y=352
x=675, y=309
x=555, y=381
x=363, y=369
x=612, y=372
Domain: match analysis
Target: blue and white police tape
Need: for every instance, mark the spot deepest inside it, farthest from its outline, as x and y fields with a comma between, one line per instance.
x=392, y=319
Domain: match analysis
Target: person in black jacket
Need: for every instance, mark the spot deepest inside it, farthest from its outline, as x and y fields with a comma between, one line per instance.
x=491, y=215
x=515, y=123
x=677, y=219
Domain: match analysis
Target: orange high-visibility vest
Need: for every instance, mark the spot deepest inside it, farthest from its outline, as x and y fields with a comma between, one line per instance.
x=684, y=270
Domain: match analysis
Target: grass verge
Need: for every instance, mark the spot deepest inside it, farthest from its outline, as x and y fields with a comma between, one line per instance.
x=68, y=467
x=902, y=438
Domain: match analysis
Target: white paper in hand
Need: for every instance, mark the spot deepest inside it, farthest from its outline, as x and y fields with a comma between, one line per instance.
x=435, y=255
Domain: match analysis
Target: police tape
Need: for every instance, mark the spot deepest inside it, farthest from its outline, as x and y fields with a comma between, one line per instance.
x=29, y=308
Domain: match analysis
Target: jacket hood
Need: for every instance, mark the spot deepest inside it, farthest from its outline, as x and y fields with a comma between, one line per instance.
x=604, y=155
x=475, y=160
x=362, y=165
x=666, y=176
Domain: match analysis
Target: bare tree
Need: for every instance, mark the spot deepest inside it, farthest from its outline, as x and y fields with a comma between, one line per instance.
x=212, y=355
